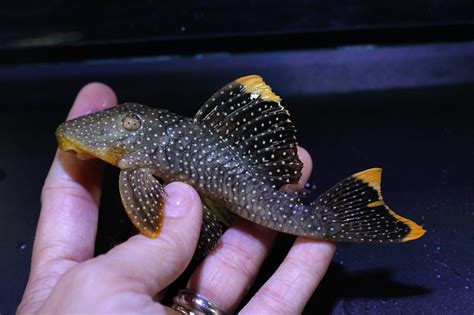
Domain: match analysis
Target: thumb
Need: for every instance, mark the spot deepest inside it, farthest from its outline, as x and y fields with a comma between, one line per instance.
x=155, y=263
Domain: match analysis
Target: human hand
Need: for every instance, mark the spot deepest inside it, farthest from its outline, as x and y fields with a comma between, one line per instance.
x=66, y=278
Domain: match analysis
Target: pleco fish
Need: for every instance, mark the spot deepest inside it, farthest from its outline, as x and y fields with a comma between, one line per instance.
x=237, y=152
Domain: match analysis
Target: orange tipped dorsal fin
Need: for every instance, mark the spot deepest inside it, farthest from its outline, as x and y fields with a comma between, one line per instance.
x=249, y=116
x=255, y=84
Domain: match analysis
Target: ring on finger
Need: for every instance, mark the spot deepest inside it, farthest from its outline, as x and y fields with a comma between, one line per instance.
x=190, y=302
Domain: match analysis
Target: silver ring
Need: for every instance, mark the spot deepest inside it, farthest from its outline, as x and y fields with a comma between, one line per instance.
x=189, y=302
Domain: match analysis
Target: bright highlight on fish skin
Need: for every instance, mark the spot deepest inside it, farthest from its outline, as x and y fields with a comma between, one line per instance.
x=237, y=152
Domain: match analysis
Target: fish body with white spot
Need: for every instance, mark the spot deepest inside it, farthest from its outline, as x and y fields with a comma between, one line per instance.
x=238, y=151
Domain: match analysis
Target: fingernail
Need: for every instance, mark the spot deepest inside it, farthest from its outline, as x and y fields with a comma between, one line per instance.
x=91, y=98
x=179, y=200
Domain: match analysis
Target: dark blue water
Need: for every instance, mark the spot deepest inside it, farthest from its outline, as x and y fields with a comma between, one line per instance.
x=406, y=109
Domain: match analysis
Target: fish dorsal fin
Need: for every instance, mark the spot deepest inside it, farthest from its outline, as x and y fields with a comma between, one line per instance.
x=248, y=115
x=142, y=196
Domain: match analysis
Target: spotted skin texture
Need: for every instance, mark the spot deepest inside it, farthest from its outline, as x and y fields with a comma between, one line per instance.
x=237, y=152
x=142, y=197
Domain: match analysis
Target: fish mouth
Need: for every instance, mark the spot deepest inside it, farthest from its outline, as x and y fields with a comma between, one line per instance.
x=67, y=144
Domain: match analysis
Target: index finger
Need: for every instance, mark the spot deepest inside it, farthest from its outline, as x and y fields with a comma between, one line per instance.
x=68, y=220
x=292, y=285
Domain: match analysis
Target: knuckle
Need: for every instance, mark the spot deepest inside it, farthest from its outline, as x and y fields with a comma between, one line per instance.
x=41, y=283
x=80, y=275
x=176, y=239
x=37, y=292
x=306, y=274
x=90, y=278
x=170, y=248
x=240, y=255
x=65, y=190
x=273, y=302
x=53, y=251
x=299, y=264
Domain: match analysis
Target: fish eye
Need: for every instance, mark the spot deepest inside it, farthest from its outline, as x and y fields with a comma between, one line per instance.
x=131, y=122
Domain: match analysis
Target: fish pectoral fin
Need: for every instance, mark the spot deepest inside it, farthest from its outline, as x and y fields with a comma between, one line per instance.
x=250, y=117
x=143, y=198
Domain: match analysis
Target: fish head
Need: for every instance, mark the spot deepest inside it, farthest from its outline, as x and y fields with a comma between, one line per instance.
x=112, y=135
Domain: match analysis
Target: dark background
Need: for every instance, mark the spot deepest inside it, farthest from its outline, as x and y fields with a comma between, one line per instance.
x=368, y=83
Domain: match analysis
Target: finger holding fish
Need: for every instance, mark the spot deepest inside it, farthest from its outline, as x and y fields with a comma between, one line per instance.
x=291, y=286
x=67, y=226
x=71, y=192
x=228, y=272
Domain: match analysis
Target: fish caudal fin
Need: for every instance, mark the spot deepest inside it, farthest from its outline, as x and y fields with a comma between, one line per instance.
x=354, y=211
